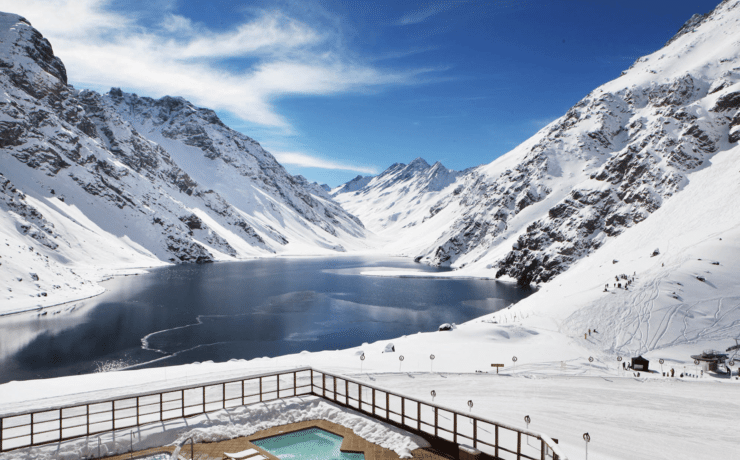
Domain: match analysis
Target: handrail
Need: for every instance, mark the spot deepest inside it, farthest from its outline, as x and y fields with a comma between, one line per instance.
x=51, y=423
x=207, y=383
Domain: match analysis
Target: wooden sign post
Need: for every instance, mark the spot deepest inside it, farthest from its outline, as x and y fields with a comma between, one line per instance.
x=497, y=366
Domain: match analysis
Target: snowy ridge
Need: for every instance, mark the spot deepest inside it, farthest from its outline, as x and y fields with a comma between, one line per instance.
x=393, y=203
x=610, y=162
x=105, y=182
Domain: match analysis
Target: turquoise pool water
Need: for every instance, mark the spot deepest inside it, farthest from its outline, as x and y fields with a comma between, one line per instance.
x=308, y=444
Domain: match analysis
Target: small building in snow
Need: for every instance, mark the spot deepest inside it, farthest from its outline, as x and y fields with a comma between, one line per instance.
x=640, y=364
x=710, y=360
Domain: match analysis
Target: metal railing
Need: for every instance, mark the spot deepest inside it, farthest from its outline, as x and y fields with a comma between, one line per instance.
x=499, y=440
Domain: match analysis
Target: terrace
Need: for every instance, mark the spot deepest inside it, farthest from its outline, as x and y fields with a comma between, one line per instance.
x=225, y=416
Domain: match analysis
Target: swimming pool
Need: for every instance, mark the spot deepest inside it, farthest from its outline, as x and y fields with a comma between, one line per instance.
x=309, y=444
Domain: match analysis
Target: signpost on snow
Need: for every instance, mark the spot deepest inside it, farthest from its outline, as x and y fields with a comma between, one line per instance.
x=515, y=360
x=434, y=393
x=431, y=366
x=400, y=361
x=619, y=358
x=362, y=358
x=586, y=438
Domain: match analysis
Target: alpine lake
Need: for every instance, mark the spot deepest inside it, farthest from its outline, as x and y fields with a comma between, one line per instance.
x=240, y=310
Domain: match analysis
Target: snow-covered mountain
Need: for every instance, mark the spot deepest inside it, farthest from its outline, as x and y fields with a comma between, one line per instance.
x=392, y=203
x=606, y=165
x=116, y=180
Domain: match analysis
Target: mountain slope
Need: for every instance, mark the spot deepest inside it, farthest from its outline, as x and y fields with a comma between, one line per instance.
x=610, y=162
x=115, y=180
x=397, y=200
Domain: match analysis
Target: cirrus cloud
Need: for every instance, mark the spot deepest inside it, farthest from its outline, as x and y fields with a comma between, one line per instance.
x=242, y=70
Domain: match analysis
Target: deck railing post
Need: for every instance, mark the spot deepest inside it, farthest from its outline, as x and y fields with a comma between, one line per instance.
x=496, y=441
x=346, y=392
x=323, y=385
x=335, y=388
x=475, y=433
x=418, y=415
x=161, y=412
x=31, y=428
x=182, y=403
x=60, y=424
x=359, y=397
x=312, y=392
x=204, y=399
x=295, y=383
x=387, y=405
x=138, y=422
x=403, y=410
x=518, y=445
x=1, y=434
x=436, y=422
x=373, y=401
x=277, y=378
x=454, y=427
x=260, y=389
x=542, y=449
x=242, y=392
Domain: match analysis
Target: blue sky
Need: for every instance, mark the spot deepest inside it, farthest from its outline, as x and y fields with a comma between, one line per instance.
x=336, y=88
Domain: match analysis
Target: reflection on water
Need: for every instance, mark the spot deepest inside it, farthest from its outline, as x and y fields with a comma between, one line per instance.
x=182, y=314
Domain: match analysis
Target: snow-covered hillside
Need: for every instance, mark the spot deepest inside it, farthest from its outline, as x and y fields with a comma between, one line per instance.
x=92, y=182
x=611, y=161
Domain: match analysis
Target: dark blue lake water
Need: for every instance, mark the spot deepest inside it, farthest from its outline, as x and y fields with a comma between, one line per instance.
x=181, y=314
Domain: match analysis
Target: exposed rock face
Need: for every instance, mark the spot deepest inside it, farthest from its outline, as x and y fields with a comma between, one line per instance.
x=606, y=165
x=163, y=175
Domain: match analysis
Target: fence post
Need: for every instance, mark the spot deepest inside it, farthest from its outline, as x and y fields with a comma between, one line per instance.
x=204, y=399
x=312, y=392
x=137, y=412
x=454, y=427
x=475, y=433
x=113, y=413
x=242, y=392
x=295, y=384
x=403, y=410
x=182, y=403
x=418, y=415
x=387, y=405
x=436, y=422
x=359, y=397
x=496, y=440
x=60, y=424
x=542, y=449
x=32, y=428
x=277, y=379
x=261, y=386
x=346, y=392
x=161, y=412
x=373, y=401
x=1, y=434
x=518, y=445
x=335, y=388
x=323, y=385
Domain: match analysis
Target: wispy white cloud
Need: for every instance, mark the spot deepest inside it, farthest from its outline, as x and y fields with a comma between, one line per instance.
x=281, y=56
x=422, y=14
x=307, y=161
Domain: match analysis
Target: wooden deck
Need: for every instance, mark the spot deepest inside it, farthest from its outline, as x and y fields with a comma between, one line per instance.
x=351, y=443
